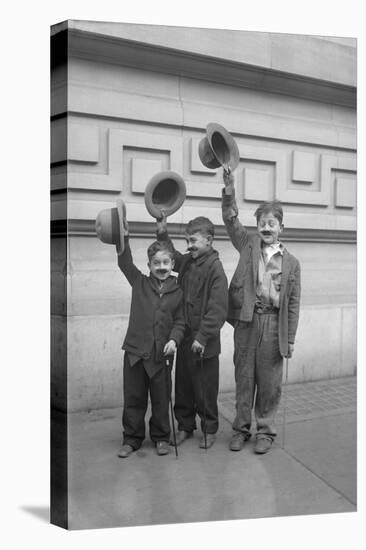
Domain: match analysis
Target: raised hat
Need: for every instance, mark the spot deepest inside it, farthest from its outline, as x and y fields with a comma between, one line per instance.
x=165, y=191
x=110, y=225
x=218, y=148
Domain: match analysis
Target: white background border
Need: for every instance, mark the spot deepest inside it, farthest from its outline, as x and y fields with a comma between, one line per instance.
x=25, y=269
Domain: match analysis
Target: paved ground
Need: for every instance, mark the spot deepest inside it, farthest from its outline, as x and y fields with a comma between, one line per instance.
x=314, y=473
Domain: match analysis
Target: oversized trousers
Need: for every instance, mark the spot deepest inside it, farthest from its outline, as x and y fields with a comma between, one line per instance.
x=136, y=387
x=258, y=374
x=196, y=389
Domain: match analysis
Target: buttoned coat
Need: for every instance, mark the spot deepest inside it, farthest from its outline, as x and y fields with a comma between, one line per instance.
x=210, y=300
x=156, y=315
x=243, y=286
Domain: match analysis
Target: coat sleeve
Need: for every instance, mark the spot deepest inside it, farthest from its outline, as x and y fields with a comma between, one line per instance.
x=216, y=309
x=236, y=231
x=178, y=256
x=126, y=265
x=294, y=305
x=177, y=331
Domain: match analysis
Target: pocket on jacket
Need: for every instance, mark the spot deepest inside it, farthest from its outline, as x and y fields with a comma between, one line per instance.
x=290, y=284
x=236, y=293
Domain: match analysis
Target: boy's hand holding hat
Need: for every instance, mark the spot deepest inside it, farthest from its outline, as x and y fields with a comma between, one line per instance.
x=161, y=223
x=125, y=231
x=228, y=181
x=111, y=225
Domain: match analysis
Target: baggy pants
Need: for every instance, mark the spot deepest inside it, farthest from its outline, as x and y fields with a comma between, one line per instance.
x=196, y=389
x=258, y=366
x=136, y=387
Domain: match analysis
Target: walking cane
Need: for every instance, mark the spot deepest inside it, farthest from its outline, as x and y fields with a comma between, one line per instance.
x=284, y=407
x=171, y=404
x=204, y=401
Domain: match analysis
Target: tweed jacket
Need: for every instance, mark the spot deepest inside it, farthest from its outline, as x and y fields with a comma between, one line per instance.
x=210, y=299
x=243, y=286
x=156, y=315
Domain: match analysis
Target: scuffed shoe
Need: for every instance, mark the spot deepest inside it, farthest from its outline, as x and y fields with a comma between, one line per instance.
x=263, y=445
x=181, y=436
x=162, y=448
x=125, y=451
x=207, y=442
x=238, y=441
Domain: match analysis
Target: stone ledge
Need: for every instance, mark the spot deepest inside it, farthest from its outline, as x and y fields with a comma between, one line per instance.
x=157, y=58
x=176, y=230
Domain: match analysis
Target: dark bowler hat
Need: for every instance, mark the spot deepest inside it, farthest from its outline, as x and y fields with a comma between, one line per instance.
x=165, y=191
x=218, y=148
x=110, y=225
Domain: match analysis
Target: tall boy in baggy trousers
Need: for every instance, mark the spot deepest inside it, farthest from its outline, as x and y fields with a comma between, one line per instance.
x=264, y=301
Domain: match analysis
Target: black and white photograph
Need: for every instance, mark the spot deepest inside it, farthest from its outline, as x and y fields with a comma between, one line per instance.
x=203, y=331
x=203, y=219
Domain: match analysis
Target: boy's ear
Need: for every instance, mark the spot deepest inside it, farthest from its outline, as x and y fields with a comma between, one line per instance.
x=210, y=239
x=282, y=227
x=173, y=262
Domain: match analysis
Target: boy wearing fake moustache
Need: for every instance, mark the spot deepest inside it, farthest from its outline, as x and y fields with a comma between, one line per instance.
x=205, y=297
x=264, y=303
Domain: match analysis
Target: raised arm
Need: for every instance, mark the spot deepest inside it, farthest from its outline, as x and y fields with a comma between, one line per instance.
x=236, y=231
x=125, y=263
x=163, y=235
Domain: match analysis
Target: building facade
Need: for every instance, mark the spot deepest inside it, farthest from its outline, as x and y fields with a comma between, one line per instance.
x=128, y=101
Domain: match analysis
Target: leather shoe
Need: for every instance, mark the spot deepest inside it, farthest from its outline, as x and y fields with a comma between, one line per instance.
x=181, y=436
x=162, y=448
x=238, y=441
x=263, y=445
x=207, y=442
x=125, y=451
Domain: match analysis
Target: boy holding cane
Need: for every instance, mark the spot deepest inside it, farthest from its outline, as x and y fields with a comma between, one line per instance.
x=156, y=327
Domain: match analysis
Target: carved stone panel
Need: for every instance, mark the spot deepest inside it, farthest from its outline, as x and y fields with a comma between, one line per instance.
x=345, y=196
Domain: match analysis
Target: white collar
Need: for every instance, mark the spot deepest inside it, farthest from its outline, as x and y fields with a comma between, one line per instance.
x=274, y=248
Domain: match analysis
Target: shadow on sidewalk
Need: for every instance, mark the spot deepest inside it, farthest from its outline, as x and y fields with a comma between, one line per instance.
x=40, y=512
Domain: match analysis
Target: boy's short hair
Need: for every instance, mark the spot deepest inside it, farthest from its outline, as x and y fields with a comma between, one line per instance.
x=270, y=207
x=200, y=225
x=160, y=246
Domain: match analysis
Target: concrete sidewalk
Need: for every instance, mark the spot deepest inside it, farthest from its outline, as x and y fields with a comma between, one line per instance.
x=315, y=472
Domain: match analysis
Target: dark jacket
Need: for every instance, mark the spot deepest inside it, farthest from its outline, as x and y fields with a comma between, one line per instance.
x=156, y=316
x=209, y=298
x=243, y=286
